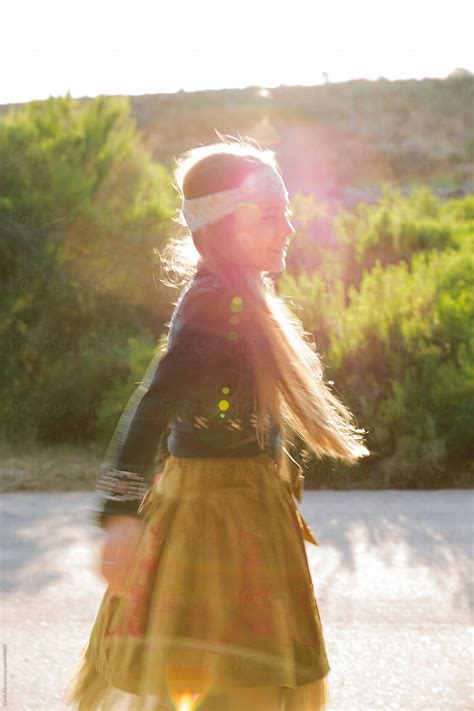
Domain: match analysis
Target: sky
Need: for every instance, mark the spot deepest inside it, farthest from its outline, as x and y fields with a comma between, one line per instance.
x=92, y=47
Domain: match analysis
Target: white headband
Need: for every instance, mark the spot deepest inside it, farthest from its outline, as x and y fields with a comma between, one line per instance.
x=257, y=187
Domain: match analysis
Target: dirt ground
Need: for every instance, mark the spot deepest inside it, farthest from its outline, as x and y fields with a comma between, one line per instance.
x=392, y=576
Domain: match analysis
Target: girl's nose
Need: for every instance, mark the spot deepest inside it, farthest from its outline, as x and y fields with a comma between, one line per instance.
x=290, y=230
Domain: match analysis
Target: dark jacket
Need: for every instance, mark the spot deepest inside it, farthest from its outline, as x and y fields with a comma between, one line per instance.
x=196, y=400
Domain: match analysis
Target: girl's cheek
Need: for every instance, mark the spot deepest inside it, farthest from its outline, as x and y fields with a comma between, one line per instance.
x=245, y=244
x=265, y=232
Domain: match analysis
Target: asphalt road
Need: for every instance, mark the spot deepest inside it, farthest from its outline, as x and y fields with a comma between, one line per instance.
x=393, y=580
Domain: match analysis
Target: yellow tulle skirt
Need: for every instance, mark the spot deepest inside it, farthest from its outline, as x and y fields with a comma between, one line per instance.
x=221, y=613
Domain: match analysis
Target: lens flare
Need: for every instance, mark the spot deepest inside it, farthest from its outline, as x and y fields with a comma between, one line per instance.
x=236, y=304
x=187, y=702
x=188, y=681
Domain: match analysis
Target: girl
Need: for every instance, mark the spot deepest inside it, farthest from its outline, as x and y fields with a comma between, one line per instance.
x=210, y=603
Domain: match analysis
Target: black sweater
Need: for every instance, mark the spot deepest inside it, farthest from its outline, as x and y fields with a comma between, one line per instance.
x=194, y=401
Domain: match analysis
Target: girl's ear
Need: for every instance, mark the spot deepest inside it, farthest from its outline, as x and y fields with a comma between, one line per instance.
x=204, y=232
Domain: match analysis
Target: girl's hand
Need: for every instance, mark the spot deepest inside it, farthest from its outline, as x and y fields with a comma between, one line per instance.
x=123, y=535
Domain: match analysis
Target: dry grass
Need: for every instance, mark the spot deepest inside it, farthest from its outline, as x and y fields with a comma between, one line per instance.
x=59, y=468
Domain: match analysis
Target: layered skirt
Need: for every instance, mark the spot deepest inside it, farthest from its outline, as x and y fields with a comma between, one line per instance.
x=221, y=613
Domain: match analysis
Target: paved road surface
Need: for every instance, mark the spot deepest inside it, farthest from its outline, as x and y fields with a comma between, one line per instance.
x=393, y=579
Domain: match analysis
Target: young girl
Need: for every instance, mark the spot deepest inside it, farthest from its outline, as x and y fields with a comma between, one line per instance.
x=210, y=603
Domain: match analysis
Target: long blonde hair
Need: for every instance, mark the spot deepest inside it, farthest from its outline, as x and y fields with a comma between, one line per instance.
x=288, y=373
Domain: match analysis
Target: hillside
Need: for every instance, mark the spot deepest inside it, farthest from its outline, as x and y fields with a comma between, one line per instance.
x=337, y=141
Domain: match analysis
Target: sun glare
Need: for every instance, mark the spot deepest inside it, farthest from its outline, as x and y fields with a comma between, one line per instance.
x=187, y=702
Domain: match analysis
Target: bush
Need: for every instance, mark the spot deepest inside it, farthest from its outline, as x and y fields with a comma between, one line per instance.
x=400, y=350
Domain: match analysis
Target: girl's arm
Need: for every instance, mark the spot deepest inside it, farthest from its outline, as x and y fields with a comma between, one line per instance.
x=201, y=360
x=129, y=467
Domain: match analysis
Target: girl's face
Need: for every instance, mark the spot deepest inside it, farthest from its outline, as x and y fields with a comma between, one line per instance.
x=262, y=234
